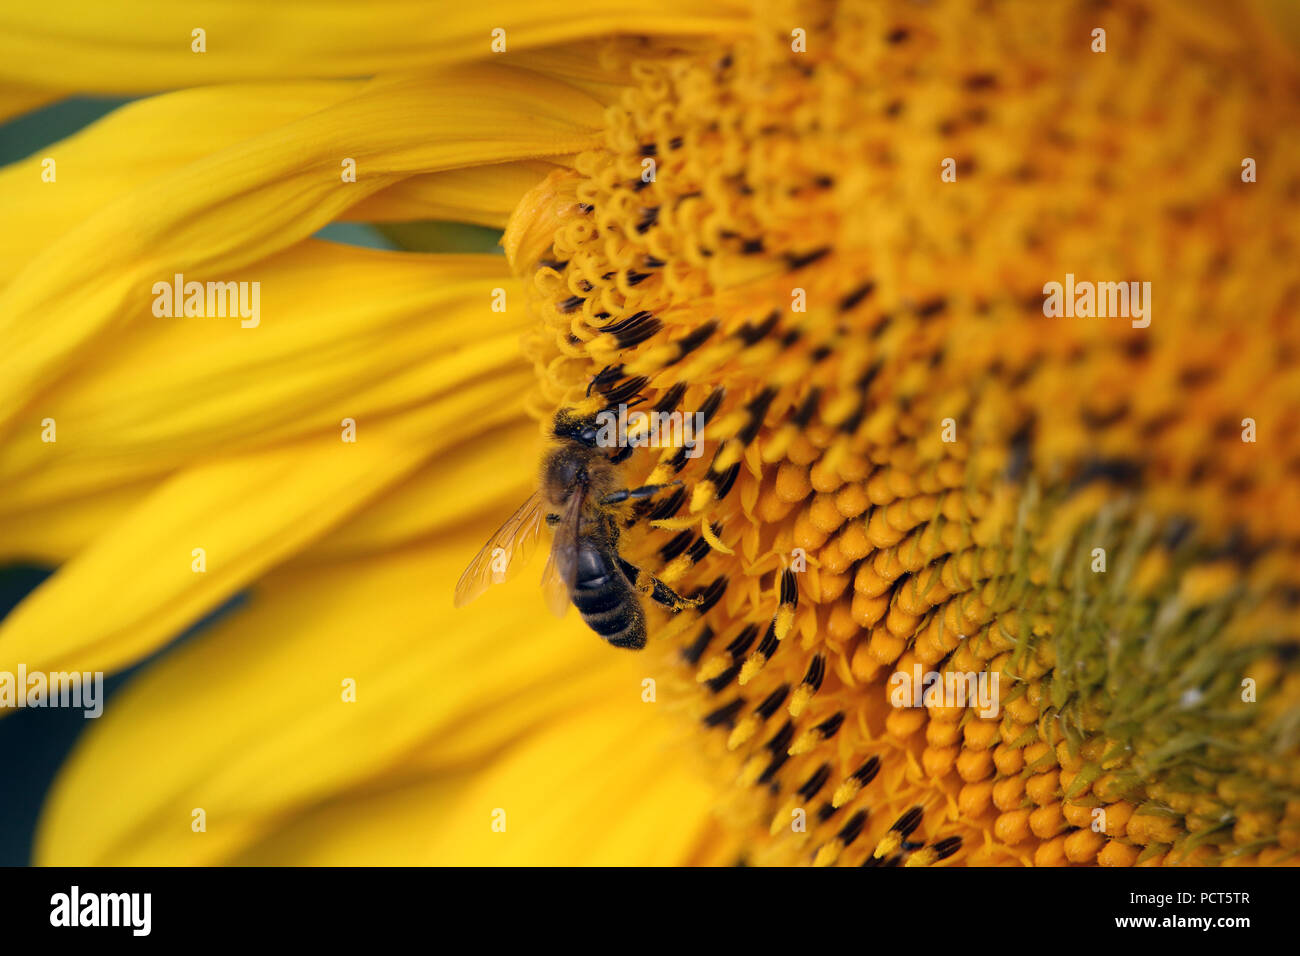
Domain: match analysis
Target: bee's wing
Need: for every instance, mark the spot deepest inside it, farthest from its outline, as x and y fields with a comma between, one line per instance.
x=506, y=552
x=562, y=566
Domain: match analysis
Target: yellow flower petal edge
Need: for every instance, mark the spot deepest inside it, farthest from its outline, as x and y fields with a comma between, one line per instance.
x=482, y=474
x=483, y=195
x=147, y=45
x=344, y=333
x=52, y=534
x=134, y=145
x=254, y=743
x=481, y=477
x=227, y=210
x=246, y=513
x=16, y=100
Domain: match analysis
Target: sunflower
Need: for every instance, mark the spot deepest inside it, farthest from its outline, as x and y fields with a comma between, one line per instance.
x=825, y=230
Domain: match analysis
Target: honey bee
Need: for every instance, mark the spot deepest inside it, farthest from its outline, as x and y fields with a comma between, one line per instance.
x=580, y=498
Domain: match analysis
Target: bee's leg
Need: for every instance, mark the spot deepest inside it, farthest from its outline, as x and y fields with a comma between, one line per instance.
x=627, y=494
x=647, y=583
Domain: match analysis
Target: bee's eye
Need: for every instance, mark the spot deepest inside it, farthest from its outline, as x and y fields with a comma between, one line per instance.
x=588, y=436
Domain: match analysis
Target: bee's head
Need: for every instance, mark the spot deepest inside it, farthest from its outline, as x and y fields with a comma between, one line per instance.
x=574, y=425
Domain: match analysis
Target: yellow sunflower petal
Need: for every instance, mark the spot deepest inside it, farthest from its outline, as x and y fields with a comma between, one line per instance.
x=598, y=788
x=247, y=513
x=262, y=729
x=54, y=533
x=376, y=827
x=595, y=787
x=227, y=210
x=482, y=474
x=484, y=195
x=599, y=750
x=345, y=333
x=123, y=152
x=145, y=45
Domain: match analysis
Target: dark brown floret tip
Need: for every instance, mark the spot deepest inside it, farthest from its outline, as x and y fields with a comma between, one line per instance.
x=726, y=714
x=908, y=822
x=813, y=785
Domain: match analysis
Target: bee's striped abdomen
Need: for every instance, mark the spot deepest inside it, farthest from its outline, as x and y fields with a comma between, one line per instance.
x=607, y=602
